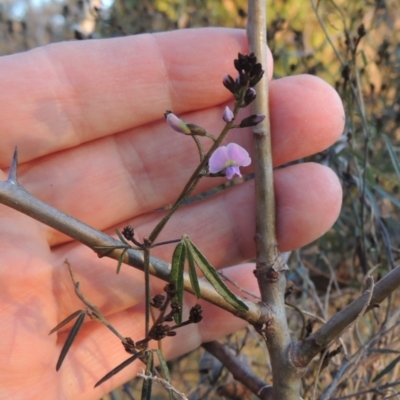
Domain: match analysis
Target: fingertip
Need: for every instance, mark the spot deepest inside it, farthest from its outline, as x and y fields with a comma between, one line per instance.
x=307, y=116
x=305, y=215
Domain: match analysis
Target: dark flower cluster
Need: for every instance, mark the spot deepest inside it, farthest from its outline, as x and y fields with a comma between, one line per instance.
x=249, y=69
x=250, y=73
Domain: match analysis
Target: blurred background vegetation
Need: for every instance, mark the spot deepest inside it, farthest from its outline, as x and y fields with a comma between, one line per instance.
x=355, y=46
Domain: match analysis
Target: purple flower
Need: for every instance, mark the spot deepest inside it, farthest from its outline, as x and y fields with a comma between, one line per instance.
x=176, y=123
x=229, y=158
x=228, y=115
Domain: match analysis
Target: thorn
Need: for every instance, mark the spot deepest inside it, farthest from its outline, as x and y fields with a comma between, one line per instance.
x=13, y=174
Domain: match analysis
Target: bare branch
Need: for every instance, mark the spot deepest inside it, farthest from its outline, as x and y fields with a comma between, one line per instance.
x=98, y=315
x=239, y=370
x=302, y=353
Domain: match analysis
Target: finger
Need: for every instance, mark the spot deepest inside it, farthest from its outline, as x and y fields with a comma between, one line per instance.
x=141, y=170
x=98, y=352
x=222, y=227
x=70, y=93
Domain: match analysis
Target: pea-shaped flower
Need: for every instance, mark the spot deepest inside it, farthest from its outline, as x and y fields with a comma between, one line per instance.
x=229, y=158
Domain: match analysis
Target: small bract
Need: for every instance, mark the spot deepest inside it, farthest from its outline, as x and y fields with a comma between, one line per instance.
x=229, y=158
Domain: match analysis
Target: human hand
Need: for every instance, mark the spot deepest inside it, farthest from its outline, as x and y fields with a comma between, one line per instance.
x=87, y=118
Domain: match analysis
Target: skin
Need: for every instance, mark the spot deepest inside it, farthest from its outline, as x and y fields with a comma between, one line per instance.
x=87, y=118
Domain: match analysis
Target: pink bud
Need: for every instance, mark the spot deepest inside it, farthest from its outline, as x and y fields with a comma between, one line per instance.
x=228, y=115
x=176, y=123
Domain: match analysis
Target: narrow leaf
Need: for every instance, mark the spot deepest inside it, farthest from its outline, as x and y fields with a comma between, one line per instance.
x=121, y=259
x=194, y=280
x=177, y=267
x=393, y=155
x=165, y=371
x=65, y=322
x=70, y=339
x=364, y=58
x=387, y=195
x=387, y=369
x=117, y=369
x=148, y=383
x=121, y=237
x=372, y=199
x=213, y=277
x=164, y=366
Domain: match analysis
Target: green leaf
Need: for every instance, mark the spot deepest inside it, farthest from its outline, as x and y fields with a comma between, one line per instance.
x=194, y=280
x=177, y=268
x=213, y=277
x=120, y=260
x=387, y=369
x=118, y=368
x=364, y=58
x=70, y=339
x=148, y=383
x=393, y=155
x=165, y=371
x=164, y=366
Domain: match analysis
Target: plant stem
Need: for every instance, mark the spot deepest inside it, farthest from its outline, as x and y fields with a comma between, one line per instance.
x=269, y=265
x=193, y=180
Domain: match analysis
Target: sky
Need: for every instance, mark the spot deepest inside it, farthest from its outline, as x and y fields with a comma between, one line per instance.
x=18, y=7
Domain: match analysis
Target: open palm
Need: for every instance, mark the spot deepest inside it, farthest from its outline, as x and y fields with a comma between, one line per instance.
x=87, y=118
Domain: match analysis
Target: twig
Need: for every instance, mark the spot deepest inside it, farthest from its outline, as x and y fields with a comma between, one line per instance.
x=93, y=308
x=163, y=382
x=302, y=353
x=376, y=389
x=239, y=370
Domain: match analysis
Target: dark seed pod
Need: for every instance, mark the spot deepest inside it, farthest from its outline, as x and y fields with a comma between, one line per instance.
x=196, y=314
x=157, y=301
x=128, y=232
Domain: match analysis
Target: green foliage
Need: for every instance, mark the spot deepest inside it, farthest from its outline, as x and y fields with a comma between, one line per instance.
x=177, y=269
x=212, y=276
x=186, y=250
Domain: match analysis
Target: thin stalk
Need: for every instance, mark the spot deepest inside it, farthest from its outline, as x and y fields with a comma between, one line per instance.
x=146, y=263
x=269, y=265
x=193, y=180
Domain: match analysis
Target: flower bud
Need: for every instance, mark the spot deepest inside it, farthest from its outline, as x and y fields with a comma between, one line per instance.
x=257, y=75
x=228, y=115
x=249, y=96
x=176, y=123
x=252, y=120
x=229, y=83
